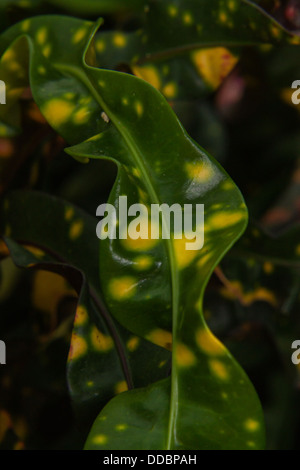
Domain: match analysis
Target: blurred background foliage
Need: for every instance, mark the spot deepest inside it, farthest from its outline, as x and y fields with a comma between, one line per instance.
x=241, y=112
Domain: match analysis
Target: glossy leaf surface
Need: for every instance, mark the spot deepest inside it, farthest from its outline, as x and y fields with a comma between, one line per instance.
x=104, y=358
x=153, y=287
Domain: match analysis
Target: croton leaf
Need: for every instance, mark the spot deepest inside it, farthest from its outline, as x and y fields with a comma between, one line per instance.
x=104, y=359
x=178, y=43
x=153, y=287
x=199, y=24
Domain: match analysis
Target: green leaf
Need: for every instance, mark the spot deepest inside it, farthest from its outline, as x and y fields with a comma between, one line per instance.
x=140, y=420
x=152, y=287
x=185, y=47
x=104, y=358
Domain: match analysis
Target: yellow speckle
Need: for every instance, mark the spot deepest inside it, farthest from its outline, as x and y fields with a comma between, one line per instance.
x=121, y=427
x=133, y=343
x=219, y=369
x=209, y=343
x=121, y=387
x=123, y=288
x=35, y=251
x=79, y=35
x=58, y=111
x=41, y=70
x=170, y=90
x=81, y=315
x=90, y=383
x=142, y=263
x=172, y=10
x=268, y=267
x=25, y=26
x=81, y=116
x=125, y=101
x=199, y=172
x=100, y=341
x=148, y=73
x=136, y=172
x=183, y=256
x=8, y=55
x=140, y=244
x=187, y=18
x=276, y=31
x=251, y=425
x=119, y=40
x=76, y=229
x=298, y=250
x=294, y=40
x=78, y=347
x=224, y=219
x=41, y=36
x=223, y=17
x=101, y=439
x=162, y=338
x=224, y=395
x=139, y=108
x=69, y=213
x=184, y=356
x=47, y=51
x=228, y=185
x=100, y=46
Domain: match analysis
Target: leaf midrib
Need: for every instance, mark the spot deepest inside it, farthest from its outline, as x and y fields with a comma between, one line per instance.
x=136, y=153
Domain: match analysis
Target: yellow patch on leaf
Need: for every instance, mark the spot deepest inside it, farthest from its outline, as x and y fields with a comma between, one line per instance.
x=58, y=111
x=123, y=288
x=121, y=387
x=208, y=343
x=218, y=369
x=101, y=342
x=161, y=337
x=78, y=347
x=214, y=64
x=148, y=73
x=184, y=356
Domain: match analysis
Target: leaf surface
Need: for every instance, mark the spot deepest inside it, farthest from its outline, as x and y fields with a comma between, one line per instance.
x=153, y=287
